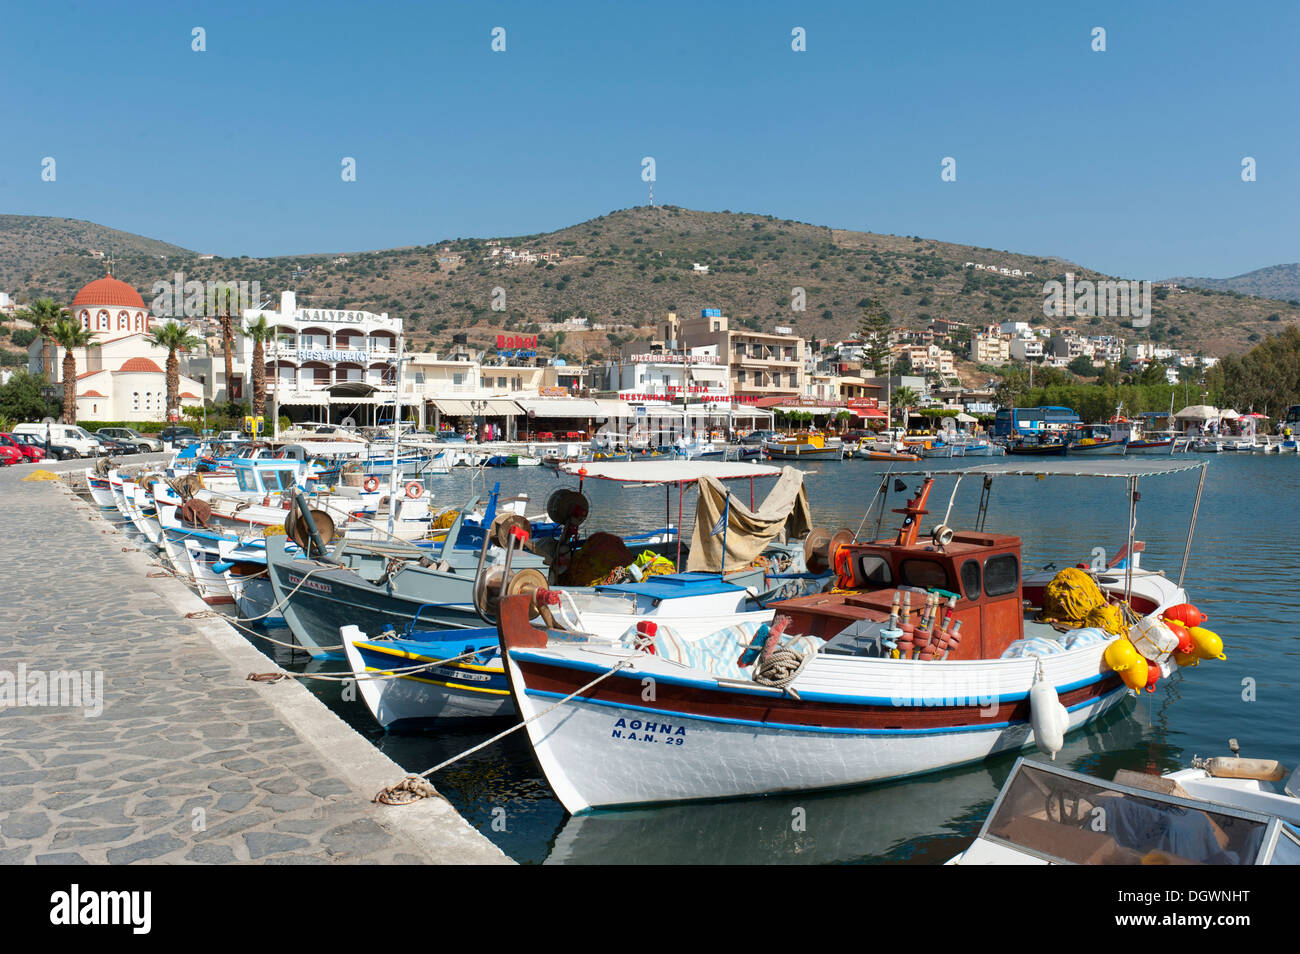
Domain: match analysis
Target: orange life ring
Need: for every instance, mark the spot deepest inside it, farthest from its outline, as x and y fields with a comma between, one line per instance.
x=414, y=490
x=371, y=484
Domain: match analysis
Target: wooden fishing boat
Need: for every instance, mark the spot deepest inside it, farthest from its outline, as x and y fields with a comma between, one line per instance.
x=846, y=703
x=805, y=445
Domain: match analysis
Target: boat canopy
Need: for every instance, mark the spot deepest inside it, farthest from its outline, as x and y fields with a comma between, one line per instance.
x=667, y=471
x=1068, y=467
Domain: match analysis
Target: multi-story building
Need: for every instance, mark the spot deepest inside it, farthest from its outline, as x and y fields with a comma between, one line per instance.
x=1026, y=349
x=990, y=347
x=759, y=364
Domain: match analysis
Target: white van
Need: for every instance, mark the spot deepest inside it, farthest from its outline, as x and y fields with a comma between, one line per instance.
x=65, y=435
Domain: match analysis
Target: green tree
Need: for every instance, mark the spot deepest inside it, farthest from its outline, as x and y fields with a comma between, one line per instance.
x=1082, y=366
x=874, y=328
x=69, y=335
x=21, y=400
x=174, y=337
x=904, y=398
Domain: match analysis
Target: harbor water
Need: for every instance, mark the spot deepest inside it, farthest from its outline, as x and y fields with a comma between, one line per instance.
x=1242, y=573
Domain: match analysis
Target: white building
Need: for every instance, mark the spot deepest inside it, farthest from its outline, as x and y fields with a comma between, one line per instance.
x=121, y=374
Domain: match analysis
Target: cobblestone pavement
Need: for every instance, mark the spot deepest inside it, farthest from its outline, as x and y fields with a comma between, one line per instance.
x=188, y=762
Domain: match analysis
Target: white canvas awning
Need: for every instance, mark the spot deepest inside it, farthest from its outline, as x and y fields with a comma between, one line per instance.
x=573, y=407
x=1198, y=412
x=490, y=407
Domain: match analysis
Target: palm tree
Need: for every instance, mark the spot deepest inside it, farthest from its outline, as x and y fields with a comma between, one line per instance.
x=44, y=315
x=174, y=337
x=222, y=304
x=69, y=334
x=261, y=333
x=905, y=397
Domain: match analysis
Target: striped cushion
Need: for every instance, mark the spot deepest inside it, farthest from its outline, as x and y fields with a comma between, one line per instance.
x=717, y=653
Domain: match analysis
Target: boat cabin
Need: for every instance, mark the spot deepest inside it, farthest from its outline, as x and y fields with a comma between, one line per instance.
x=982, y=570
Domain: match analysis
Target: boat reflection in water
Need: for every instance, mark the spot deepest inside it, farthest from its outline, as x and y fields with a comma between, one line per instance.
x=922, y=820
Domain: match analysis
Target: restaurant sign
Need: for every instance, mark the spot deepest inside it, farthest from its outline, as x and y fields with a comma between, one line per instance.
x=330, y=357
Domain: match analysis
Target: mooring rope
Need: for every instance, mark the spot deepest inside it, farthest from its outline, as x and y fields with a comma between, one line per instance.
x=414, y=787
x=378, y=676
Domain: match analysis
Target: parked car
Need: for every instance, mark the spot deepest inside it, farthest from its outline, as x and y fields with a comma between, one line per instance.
x=757, y=437
x=111, y=445
x=30, y=452
x=57, y=451
x=130, y=436
x=179, y=436
x=10, y=454
x=62, y=435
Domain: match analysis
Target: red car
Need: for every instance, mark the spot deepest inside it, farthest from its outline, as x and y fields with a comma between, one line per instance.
x=17, y=452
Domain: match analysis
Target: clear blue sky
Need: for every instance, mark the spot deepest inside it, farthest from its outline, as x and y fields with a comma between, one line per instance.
x=1128, y=161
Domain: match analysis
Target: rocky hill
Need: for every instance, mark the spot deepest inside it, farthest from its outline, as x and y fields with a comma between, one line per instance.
x=626, y=269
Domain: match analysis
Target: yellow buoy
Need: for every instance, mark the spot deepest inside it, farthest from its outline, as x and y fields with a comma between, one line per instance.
x=1121, y=655
x=1208, y=644
x=1187, y=659
x=1135, y=676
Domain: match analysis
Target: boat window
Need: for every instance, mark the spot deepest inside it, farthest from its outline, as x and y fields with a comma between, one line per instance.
x=241, y=476
x=874, y=570
x=1085, y=821
x=970, y=579
x=286, y=479
x=1001, y=574
x=924, y=573
x=1287, y=851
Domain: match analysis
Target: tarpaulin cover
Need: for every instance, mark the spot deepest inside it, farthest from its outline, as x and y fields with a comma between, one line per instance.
x=748, y=531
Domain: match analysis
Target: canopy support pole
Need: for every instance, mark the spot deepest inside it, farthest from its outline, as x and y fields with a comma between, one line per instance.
x=681, y=491
x=1132, y=528
x=1191, y=527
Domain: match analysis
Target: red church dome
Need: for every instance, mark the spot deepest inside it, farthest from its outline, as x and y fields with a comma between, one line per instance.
x=108, y=291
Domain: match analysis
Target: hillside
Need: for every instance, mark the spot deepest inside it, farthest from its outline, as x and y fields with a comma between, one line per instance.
x=1276, y=281
x=628, y=268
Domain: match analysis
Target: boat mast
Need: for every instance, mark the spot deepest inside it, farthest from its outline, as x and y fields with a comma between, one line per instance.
x=397, y=436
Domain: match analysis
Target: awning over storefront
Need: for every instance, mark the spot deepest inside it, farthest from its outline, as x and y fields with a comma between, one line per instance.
x=573, y=407
x=489, y=407
x=870, y=413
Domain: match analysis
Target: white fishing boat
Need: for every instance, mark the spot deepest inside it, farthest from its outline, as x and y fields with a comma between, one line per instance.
x=852, y=697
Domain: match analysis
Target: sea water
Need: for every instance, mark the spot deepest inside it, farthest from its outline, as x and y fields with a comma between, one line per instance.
x=1243, y=573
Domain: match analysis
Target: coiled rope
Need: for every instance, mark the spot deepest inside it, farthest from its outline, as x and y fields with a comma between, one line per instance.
x=780, y=668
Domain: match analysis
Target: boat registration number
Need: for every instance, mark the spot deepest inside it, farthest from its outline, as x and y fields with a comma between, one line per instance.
x=310, y=584
x=642, y=730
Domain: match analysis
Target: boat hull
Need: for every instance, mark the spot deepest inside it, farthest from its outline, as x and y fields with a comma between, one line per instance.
x=460, y=690
x=685, y=745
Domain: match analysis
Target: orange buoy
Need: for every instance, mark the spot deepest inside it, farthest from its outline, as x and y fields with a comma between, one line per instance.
x=414, y=490
x=371, y=484
x=1185, y=613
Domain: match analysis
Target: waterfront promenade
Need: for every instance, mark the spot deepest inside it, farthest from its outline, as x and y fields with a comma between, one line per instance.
x=188, y=761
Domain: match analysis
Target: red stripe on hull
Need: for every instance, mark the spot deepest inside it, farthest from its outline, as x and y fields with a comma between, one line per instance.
x=721, y=704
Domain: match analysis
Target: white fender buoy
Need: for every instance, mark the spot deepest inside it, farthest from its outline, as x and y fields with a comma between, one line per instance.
x=1048, y=718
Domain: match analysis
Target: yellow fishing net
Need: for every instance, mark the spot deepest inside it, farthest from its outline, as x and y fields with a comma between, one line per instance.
x=1074, y=599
